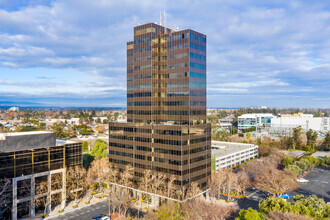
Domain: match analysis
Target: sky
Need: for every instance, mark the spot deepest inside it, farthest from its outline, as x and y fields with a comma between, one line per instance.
x=73, y=52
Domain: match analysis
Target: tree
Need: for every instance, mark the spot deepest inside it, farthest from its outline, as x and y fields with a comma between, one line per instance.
x=296, y=136
x=85, y=145
x=116, y=115
x=327, y=141
x=59, y=131
x=249, y=214
x=285, y=216
x=287, y=160
x=311, y=137
x=221, y=135
x=225, y=181
x=248, y=137
x=105, y=121
x=87, y=160
x=276, y=181
x=309, y=206
x=263, y=151
x=172, y=211
x=98, y=173
x=98, y=120
x=100, y=149
x=75, y=182
x=127, y=176
x=200, y=208
x=5, y=195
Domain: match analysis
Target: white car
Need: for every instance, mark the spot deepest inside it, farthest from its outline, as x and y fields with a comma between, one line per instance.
x=302, y=180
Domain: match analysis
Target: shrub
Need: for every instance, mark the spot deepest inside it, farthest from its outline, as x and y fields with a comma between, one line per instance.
x=250, y=214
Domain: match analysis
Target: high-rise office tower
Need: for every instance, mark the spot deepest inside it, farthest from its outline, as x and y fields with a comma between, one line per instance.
x=166, y=129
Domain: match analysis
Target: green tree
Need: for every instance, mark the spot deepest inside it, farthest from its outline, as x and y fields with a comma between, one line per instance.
x=221, y=135
x=85, y=146
x=327, y=141
x=287, y=160
x=87, y=160
x=174, y=212
x=311, y=137
x=59, y=131
x=100, y=149
x=310, y=206
x=116, y=115
x=93, y=113
x=294, y=168
x=105, y=121
x=296, y=136
x=98, y=120
x=250, y=214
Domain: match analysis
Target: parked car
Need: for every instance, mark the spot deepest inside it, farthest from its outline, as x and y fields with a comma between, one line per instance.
x=101, y=217
x=284, y=196
x=302, y=180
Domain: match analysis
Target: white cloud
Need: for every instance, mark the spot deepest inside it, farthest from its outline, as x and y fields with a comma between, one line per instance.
x=254, y=47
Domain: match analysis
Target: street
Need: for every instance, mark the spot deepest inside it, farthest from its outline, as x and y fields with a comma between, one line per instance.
x=88, y=212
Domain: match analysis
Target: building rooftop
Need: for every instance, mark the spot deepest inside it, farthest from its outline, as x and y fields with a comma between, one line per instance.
x=220, y=148
x=255, y=115
x=297, y=153
x=26, y=140
x=321, y=154
x=63, y=141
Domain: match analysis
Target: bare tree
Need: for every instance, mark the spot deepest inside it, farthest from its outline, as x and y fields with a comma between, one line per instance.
x=276, y=181
x=170, y=186
x=127, y=177
x=200, y=208
x=193, y=190
x=76, y=182
x=243, y=181
x=286, y=216
x=224, y=181
x=5, y=195
x=158, y=182
x=121, y=200
x=98, y=172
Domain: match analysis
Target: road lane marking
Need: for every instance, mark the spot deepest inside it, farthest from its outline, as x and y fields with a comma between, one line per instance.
x=323, y=182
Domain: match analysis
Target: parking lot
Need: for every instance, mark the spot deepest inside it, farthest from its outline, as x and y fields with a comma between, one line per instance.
x=319, y=184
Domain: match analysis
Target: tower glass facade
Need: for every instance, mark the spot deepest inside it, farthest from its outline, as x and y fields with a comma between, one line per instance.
x=166, y=129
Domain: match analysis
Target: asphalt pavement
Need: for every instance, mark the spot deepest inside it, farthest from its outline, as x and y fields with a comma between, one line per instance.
x=319, y=184
x=88, y=212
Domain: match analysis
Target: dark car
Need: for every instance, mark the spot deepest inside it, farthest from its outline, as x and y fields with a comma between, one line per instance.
x=98, y=217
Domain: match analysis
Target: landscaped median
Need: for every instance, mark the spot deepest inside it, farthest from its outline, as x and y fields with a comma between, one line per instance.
x=235, y=195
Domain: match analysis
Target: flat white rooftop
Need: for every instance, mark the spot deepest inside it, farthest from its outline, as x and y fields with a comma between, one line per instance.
x=220, y=148
x=26, y=133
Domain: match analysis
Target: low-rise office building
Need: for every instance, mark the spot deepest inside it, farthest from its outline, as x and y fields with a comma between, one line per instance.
x=254, y=120
x=228, y=154
x=26, y=158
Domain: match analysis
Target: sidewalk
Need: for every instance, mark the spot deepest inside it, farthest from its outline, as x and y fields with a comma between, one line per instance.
x=81, y=204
